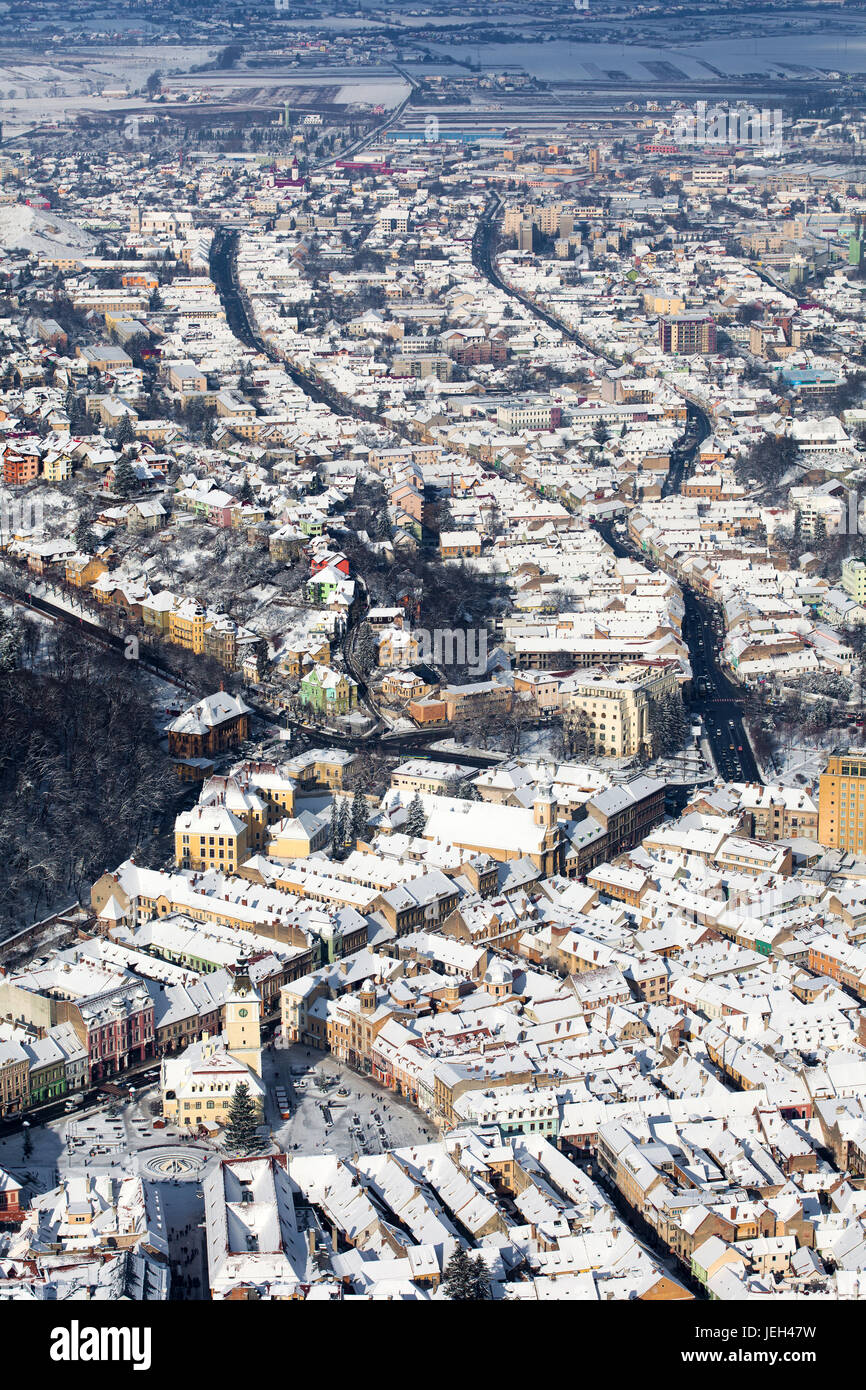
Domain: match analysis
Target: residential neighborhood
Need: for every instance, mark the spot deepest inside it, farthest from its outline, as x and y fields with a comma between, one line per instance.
x=433, y=657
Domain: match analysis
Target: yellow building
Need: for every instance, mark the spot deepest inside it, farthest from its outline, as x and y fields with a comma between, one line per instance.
x=662, y=303
x=83, y=570
x=156, y=610
x=57, y=469
x=842, y=802
x=397, y=647
x=221, y=641
x=274, y=784
x=237, y=795
x=14, y=1079
x=296, y=837
x=615, y=705
x=210, y=837
x=186, y=626
x=854, y=579
x=197, y=1086
x=322, y=767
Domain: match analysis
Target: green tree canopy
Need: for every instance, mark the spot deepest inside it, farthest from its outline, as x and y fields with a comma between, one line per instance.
x=466, y=1279
x=242, y=1131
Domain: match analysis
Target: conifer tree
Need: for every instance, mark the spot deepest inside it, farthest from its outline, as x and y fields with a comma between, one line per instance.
x=125, y=481
x=83, y=534
x=416, y=820
x=345, y=817
x=242, y=1131
x=359, y=815
x=124, y=434
x=466, y=1279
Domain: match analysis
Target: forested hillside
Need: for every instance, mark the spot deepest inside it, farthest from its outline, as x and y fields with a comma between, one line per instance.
x=83, y=781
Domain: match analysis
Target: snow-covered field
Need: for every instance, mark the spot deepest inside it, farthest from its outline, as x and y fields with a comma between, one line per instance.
x=388, y=91
x=32, y=93
x=44, y=233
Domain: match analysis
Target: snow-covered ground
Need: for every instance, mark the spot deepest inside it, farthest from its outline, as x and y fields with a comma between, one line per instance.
x=24, y=228
x=33, y=93
x=804, y=763
x=322, y=1119
x=387, y=91
x=125, y=1141
x=450, y=745
x=88, y=1136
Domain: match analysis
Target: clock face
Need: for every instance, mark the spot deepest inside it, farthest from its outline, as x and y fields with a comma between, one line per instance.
x=242, y=1013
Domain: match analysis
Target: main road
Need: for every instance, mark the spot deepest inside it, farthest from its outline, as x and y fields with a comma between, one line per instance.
x=717, y=700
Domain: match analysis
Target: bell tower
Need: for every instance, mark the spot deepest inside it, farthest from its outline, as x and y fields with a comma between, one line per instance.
x=244, y=1020
x=544, y=808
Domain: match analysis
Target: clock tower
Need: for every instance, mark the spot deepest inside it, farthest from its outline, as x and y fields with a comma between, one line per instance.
x=243, y=1020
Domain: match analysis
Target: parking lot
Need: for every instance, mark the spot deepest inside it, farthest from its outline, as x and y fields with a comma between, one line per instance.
x=334, y=1109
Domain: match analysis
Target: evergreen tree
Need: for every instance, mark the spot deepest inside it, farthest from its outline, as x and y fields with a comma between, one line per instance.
x=245, y=493
x=359, y=815
x=83, y=534
x=481, y=1281
x=345, y=821
x=242, y=1130
x=261, y=655
x=335, y=827
x=668, y=724
x=466, y=1279
x=125, y=480
x=416, y=820
x=124, y=434
x=467, y=790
